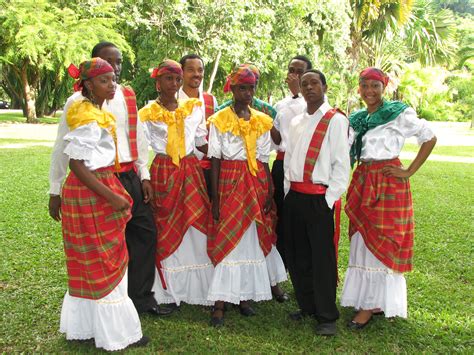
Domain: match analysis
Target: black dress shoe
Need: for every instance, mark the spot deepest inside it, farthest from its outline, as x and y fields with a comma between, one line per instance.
x=217, y=322
x=247, y=311
x=142, y=342
x=326, y=329
x=299, y=315
x=353, y=325
x=283, y=297
x=159, y=311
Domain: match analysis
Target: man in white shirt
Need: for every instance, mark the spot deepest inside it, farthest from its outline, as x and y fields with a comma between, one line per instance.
x=317, y=168
x=193, y=74
x=132, y=147
x=287, y=109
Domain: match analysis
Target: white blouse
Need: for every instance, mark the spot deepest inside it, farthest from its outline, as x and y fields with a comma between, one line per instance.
x=194, y=132
x=386, y=141
x=92, y=144
x=230, y=147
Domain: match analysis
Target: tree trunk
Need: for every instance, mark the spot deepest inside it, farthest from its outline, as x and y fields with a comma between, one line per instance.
x=28, y=96
x=214, y=71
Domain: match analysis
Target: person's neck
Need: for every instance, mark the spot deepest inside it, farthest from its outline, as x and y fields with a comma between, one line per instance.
x=168, y=101
x=241, y=109
x=375, y=107
x=191, y=92
x=314, y=106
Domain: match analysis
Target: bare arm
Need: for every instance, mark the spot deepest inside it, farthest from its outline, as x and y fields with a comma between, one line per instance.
x=203, y=148
x=276, y=136
x=215, y=170
x=268, y=202
x=423, y=154
x=87, y=178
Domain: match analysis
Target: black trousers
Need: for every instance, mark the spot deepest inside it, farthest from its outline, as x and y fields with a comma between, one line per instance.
x=207, y=178
x=278, y=197
x=140, y=235
x=310, y=254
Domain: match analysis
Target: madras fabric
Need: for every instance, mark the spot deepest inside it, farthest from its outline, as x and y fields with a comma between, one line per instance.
x=94, y=236
x=381, y=209
x=372, y=73
x=209, y=104
x=242, y=199
x=131, y=102
x=180, y=201
x=167, y=66
x=240, y=75
x=176, y=145
x=87, y=70
x=316, y=142
x=84, y=112
x=257, y=104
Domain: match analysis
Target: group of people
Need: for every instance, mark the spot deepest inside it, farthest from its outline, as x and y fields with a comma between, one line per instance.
x=209, y=223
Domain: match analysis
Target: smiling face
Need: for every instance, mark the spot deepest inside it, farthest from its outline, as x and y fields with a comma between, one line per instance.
x=168, y=84
x=193, y=72
x=102, y=86
x=243, y=93
x=371, y=91
x=114, y=57
x=312, y=88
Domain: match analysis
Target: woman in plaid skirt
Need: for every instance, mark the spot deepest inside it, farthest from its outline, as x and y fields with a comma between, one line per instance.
x=379, y=204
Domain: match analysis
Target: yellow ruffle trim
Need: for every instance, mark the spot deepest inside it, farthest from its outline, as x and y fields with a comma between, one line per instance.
x=84, y=112
x=176, y=145
x=259, y=123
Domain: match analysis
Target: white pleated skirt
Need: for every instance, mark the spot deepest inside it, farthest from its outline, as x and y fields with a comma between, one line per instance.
x=187, y=272
x=243, y=274
x=275, y=266
x=369, y=284
x=111, y=321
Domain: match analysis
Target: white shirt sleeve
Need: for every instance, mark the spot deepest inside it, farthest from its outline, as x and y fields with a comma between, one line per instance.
x=59, y=160
x=339, y=158
x=410, y=125
x=264, y=147
x=142, y=146
x=214, y=149
x=81, y=142
x=201, y=132
x=286, y=162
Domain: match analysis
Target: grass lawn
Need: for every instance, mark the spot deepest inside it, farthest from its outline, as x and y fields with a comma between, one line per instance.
x=460, y=151
x=440, y=290
x=10, y=117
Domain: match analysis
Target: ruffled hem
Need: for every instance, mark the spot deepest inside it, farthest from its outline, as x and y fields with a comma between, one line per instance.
x=112, y=321
x=275, y=266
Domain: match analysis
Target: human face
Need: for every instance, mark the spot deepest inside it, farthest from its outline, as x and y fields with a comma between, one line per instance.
x=312, y=88
x=114, y=57
x=193, y=72
x=297, y=67
x=168, y=84
x=371, y=92
x=243, y=94
x=102, y=87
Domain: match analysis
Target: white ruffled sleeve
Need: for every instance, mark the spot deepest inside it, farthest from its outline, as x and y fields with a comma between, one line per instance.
x=81, y=142
x=201, y=132
x=410, y=125
x=264, y=147
x=214, y=149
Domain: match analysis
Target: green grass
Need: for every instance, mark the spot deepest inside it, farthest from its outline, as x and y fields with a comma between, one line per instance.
x=460, y=151
x=33, y=280
x=5, y=141
x=13, y=117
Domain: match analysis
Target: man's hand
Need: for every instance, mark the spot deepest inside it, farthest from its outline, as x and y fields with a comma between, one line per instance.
x=55, y=207
x=147, y=191
x=293, y=82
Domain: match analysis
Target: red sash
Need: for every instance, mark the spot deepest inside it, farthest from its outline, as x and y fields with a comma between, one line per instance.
x=131, y=102
x=209, y=104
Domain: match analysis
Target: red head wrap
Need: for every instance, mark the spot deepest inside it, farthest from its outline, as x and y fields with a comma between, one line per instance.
x=241, y=75
x=166, y=67
x=374, y=74
x=87, y=70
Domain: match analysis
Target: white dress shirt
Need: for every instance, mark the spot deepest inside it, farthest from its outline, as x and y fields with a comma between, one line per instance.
x=194, y=133
x=287, y=109
x=118, y=107
x=386, y=141
x=333, y=165
x=230, y=147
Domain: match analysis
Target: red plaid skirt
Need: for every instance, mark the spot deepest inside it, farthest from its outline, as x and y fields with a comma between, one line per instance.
x=381, y=209
x=180, y=201
x=242, y=199
x=94, y=236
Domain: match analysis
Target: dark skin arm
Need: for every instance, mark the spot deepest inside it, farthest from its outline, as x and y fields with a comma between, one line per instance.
x=276, y=136
x=55, y=207
x=215, y=170
x=203, y=148
x=87, y=178
x=147, y=191
x=268, y=201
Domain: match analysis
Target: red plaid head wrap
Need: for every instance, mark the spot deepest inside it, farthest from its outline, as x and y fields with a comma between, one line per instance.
x=241, y=75
x=87, y=70
x=372, y=73
x=253, y=68
x=167, y=66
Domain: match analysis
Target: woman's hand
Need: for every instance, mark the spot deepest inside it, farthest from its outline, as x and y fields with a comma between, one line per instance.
x=395, y=171
x=119, y=203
